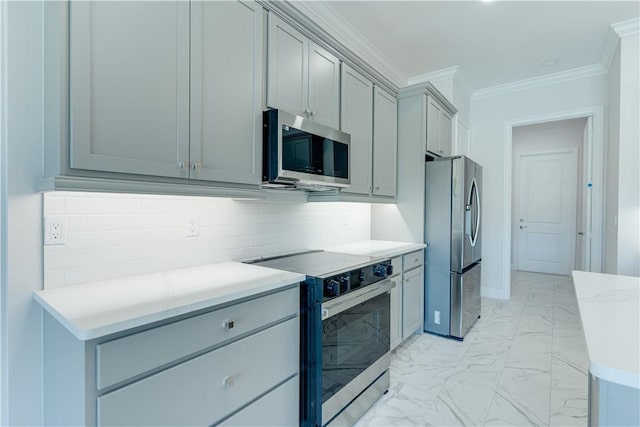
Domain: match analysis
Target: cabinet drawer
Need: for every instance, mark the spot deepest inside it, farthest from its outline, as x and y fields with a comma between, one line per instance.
x=280, y=407
x=397, y=265
x=136, y=354
x=204, y=390
x=413, y=260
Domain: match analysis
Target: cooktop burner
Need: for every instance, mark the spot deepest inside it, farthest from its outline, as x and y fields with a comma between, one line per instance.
x=318, y=264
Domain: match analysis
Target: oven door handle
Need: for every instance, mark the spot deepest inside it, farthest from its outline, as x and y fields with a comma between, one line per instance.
x=339, y=305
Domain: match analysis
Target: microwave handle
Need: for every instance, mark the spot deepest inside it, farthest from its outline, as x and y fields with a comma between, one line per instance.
x=339, y=305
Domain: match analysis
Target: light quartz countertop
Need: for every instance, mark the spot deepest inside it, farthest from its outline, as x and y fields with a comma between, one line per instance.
x=97, y=309
x=379, y=248
x=610, y=314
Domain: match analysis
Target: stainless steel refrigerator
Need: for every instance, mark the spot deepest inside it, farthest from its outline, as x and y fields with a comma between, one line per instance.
x=453, y=235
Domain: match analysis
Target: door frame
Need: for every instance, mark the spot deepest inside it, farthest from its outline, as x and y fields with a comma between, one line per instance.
x=594, y=152
x=516, y=236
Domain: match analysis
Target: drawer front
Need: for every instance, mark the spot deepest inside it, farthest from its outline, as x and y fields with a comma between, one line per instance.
x=280, y=407
x=124, y=358
x=413, y=260
x=397, y=265
x=204, y=390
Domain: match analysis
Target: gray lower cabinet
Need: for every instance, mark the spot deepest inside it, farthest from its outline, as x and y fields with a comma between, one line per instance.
x=407, y=296
x=412, y=293
x=274, y=409
x=221, y=366
x=385, y=143
x=170, y=89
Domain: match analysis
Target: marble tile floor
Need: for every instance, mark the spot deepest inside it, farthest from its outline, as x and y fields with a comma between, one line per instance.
x=523, y=363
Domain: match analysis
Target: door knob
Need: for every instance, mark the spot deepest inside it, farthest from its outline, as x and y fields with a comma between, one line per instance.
x=522, y=227
x=580, y=233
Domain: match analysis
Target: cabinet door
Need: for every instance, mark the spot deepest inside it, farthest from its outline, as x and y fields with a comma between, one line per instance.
x=446, y=134
x=226, y=91
x=129, y=83
x=288, y=67
x=324, y=86
x=434, y=112
x=209, y=387
x=396, y=312
x=385, y=143
x=357, y=120
x=412, y=301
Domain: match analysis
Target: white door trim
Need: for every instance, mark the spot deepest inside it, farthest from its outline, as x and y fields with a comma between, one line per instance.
x=594, y=173
x=516, y=236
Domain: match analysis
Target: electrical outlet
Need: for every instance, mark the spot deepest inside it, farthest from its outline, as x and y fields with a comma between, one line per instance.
x=192, y=226
x=436, y=317
x=55, y=231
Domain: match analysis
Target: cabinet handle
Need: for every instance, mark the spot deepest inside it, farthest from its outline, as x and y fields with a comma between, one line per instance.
x=228, y=324
x=183, y=165
x=313, y=113
x=228, y=382
x=307, y=112
x=197, y=167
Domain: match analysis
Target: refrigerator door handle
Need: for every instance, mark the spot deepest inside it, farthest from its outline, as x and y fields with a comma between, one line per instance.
x=468, y=219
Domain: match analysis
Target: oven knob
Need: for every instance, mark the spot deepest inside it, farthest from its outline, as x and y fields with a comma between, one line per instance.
x=389, y=269
x=345, y=284
x=331, y=288
x=380, y=270
x=362, y=276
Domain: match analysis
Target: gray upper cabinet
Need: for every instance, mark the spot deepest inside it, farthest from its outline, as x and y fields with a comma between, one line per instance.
x=129, y=87
x=385, y=143
x=167, y=88
x=226, y=91
x=303, y=78
x=357, y=120
x=439, y=128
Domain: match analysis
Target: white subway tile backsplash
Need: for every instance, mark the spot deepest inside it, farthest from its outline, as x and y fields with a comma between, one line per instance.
x=117, y=235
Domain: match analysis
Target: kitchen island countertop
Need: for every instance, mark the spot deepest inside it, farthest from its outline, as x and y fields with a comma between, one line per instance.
x=379, y=248
x=101, y=308
x=610, y=315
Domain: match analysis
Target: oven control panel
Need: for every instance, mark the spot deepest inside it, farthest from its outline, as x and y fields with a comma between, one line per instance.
x=344, y=283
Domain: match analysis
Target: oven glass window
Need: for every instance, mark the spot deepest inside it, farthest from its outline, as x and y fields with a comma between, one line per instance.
x=352, y=341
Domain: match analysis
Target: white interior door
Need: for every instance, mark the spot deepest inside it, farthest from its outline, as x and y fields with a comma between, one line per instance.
x=547, y=211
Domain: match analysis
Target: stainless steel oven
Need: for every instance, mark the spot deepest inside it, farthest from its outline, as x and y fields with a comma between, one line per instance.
x=344, y=333
x=355, y=351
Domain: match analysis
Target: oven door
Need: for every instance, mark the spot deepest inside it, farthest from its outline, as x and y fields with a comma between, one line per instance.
x=355, y=345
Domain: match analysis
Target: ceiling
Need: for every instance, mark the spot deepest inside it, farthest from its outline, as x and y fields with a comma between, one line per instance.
x=493, y=42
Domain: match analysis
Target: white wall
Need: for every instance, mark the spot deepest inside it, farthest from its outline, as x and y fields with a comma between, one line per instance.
x=116, y=235
x=21, y=226
x=490, y=116
x=538, y=138
x=624, y=137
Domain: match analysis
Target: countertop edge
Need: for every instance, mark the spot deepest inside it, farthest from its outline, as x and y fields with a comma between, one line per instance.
x=612, y=375
x=99, y=331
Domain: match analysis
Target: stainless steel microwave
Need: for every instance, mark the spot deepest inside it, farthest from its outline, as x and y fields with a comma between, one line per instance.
x=298, y=152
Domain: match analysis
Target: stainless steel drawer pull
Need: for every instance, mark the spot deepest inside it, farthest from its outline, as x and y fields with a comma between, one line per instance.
x=228, y=324
x=228, y=382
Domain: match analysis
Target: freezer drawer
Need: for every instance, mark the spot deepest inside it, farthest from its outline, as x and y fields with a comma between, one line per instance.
x=465, y=301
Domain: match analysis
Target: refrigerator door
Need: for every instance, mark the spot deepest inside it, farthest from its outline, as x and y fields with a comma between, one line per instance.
x=458, y=200
x=465, y=301
x=471, y=213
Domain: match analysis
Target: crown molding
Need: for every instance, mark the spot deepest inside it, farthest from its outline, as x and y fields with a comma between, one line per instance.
x=610, y=47
x=434, y=76
x=547, y=79
x=626, y=28
x=324, y=16
x=463, y=81
x=617, y=31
